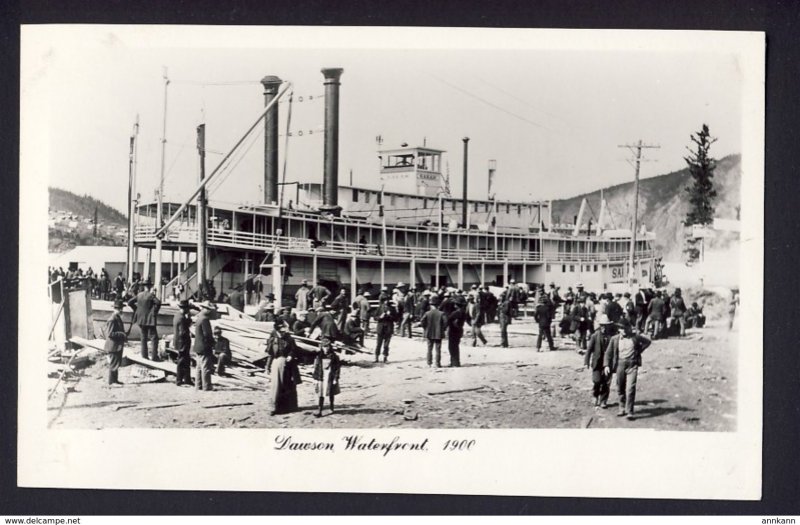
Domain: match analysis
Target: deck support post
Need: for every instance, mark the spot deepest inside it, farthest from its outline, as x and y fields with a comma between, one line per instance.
x=505, y=272
x=353, y=278
x=460, y=274
x=412, y=277
x=383, y=272
x=314, y=268
x=436, y=274
x=483, y=273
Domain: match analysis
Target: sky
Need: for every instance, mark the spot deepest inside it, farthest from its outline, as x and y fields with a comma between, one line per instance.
x=550, y=107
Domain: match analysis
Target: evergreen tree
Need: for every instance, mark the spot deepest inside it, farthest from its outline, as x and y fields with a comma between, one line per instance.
x=701, y=192
x=701, y=167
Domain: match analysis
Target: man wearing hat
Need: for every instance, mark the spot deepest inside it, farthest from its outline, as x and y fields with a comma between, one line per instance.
x=384, y=328
x=319, y=294
x=475, y=317
x=363, y=309
x=146, y=306
x=329, y=331
x=236, y=298
x=580, y=294
x=222, y=351
x=543, y=315
x=408, y=313
x=455, y=329
x=434, y=323
x=641, y=305
x=115, y=342
x=553, y=294
x=504, y=313
x=182, y=340
x=595, y=352
x=204, y=345
x=624, y=355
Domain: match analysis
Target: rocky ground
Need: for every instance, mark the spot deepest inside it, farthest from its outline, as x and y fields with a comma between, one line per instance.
x=684, y=384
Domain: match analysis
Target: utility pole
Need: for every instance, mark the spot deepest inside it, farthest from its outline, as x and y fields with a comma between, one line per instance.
x=202, y=222
x=637, y=149
x=160, y=211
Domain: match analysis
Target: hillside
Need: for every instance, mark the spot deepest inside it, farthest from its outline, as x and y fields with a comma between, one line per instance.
x=71, y=222
x=84, y=206
x=662, y=203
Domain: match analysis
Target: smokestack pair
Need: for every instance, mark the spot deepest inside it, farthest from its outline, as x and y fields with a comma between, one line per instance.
x=330, y=186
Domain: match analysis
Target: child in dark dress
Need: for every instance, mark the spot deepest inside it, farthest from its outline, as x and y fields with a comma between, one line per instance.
x=326, y=374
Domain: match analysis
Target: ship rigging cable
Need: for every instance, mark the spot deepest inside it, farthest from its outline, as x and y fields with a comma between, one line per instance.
x=491, y=104
x=285, y=154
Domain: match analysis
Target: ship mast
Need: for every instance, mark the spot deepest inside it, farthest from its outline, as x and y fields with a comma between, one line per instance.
x=131, y=199
x=160, y=211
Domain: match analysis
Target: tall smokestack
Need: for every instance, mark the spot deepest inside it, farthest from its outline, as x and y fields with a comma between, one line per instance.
x=330, y=185
x=464, y=200
x=271, y=85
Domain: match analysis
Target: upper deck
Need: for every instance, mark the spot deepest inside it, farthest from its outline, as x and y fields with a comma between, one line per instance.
x=265, y=228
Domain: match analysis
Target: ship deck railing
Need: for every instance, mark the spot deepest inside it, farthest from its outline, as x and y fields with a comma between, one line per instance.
x=237, y=239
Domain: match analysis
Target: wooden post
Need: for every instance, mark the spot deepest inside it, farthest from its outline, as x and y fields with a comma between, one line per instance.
x=483, y=273
x=383, y=272
x=505, y=272
x=436, y=274
x=353, y=278
x=460, y=274
x=277, y=278
x=412, y=275
x=314, y=268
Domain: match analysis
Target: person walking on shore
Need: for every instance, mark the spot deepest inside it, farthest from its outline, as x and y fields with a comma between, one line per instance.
x=543, y=315
x=182, y=340
x=476, y=320
x=204, y=346
x=594, y=361
x=434, y=323
x=146, y=306
x=327, y=367
x=624, y=355
x=115, y=342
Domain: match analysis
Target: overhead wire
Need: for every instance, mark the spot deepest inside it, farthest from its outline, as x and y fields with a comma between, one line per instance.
x=490, y=104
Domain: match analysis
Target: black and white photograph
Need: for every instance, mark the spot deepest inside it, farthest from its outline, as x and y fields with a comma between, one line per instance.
x=340, y=247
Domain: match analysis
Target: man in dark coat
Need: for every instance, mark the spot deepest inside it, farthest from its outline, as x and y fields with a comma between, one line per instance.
x=329, y=331
x=504, y=315
x=455, y=330
x=115, y=342
x=146, y=306
x=222, y=351
x=641, y=302
x=476, y=320
x=340, y=306
x=491, y=305
x=614, y=309
x=434, y=323
x=656, y=317
x=408, y=314
x=384, y=328
x=543, y=315
x=353, y=331
x=236, y=298
x=678, y=308
x=119, y=286
x=182, y=340
x=204, y=346
x=595, y=352
x=319, y=294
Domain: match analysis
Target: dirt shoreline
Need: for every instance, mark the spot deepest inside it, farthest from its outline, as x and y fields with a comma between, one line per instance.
x=684, y=384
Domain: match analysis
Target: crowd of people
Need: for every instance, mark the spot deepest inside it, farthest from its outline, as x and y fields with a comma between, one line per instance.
x=610, y=331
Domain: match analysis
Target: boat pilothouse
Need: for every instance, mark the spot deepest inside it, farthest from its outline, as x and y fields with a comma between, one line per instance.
x=409, y=229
